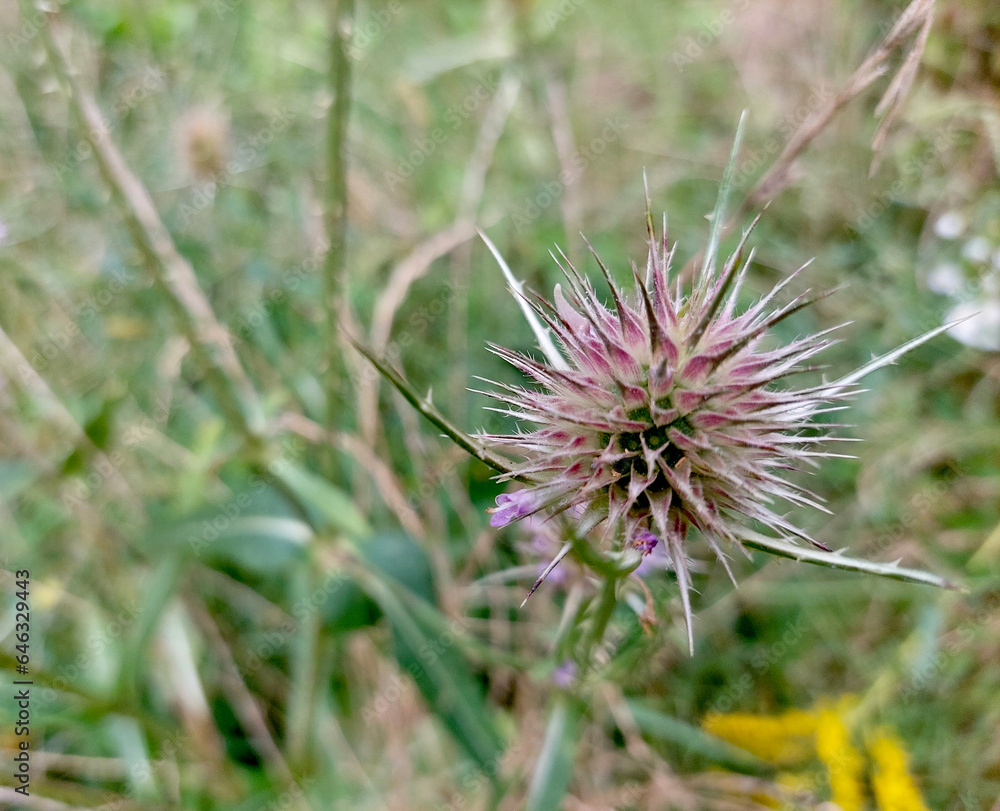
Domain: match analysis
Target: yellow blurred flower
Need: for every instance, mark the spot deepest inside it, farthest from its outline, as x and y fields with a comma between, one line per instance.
x=796, y=737
x=844, y=764
x=796, y=782
x=780, y=739
x=894, y=786
x=46, y=593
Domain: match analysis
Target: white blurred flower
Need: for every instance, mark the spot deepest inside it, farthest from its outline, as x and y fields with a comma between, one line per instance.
x=950, y=225
x=981, y=327
x=946, y=279
x=976, y=249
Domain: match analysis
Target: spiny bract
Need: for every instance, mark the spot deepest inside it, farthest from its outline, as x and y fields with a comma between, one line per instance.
x=662, y=415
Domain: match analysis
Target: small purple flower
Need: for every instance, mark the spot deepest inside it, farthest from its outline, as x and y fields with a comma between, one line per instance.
x=563, y=675
x=645, y=541
x=512, y=507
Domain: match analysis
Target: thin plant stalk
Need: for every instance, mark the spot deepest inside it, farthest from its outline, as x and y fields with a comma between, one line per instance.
x=209, y=340
x=335, y=281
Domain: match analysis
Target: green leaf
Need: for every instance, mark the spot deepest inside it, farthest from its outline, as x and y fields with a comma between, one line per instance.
x=100, y=429
x=691, y=739
x=719, y=214
x=394, y=554
x=158, y=587
x=255, y=529
x=263, y=543
x=554, y=769
x=440, y=671
x=329, y=506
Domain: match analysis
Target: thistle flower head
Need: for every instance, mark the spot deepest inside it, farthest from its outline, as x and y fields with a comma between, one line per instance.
x=664, y=415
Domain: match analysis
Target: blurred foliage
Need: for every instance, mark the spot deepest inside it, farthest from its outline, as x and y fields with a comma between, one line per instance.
x=324, y=619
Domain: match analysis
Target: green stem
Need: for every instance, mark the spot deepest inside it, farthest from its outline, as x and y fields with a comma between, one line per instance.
x=430, y=412
x=605, y=607
x=341, y=22
x=603, y=565
x=576, y=606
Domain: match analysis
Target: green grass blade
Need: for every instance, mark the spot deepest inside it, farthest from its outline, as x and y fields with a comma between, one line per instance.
x=554, y=769
x=440, y=671
x=719, y=213
x=659, y=726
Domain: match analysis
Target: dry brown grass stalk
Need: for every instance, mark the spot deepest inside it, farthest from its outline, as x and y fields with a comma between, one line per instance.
x=172, y=272
x=916, y=18
x=242, y=700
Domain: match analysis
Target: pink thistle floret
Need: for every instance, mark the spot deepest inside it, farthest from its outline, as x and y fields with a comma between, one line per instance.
x=666, y=417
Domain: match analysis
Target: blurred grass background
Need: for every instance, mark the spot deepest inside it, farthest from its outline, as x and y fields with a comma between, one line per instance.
x=314, y=613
